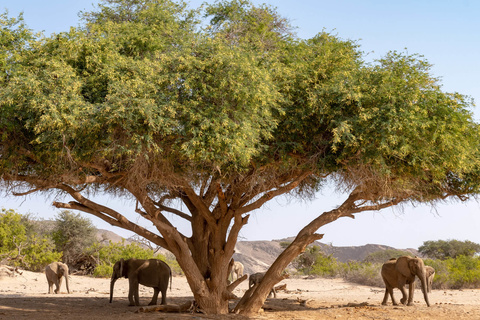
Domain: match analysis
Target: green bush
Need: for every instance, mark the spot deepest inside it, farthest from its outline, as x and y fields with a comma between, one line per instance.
x=364, y=273
x=107, y=255
x=39, y=253
x=461, y=272
x=20, y=246
x=325, y=266
x=385, y=255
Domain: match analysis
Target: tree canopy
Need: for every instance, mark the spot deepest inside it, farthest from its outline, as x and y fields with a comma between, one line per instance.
x=443, y=249
x=220, y=110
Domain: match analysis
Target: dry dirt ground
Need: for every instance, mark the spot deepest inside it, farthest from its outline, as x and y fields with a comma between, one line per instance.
x=25, y=297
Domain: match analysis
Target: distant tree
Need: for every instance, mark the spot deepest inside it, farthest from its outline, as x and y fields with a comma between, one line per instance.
x=73, y=234
x=384, y=255
x=208, y=115
x=442, y=249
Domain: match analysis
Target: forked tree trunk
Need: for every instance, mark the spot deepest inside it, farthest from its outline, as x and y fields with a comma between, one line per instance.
x=274, y=274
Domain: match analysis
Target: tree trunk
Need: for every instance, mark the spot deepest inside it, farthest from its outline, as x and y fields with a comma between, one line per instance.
x=305, y=237
x=274, y=275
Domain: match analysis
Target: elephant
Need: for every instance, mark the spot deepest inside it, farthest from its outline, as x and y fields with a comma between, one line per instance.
x=54, y=272
x=237, y=269
x=429, y=273
x=396, y=273
x=256, y=278
x=152, y=273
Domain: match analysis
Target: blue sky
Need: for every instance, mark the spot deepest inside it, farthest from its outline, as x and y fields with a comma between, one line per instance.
x=447, y=33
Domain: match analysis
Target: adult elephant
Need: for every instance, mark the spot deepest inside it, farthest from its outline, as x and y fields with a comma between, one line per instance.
x=152, y=273
x=396, y=273
x=237, y=269
x=55, y=271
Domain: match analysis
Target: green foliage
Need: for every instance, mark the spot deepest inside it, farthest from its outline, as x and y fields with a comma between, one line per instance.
x=384, y=255
x=73, y=234
x=325, y=266
x=39, y=253
x=442, y=249
x=21, y=246
x=150, y=81
x=364, y=273
x=456, y=273
x=107, y=255
x=12, y=232
x=314, y=262
x=285, y=244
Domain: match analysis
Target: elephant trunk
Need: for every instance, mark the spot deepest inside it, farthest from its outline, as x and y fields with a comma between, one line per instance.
x=66, y=282
x=423, y=280
x=112, y=284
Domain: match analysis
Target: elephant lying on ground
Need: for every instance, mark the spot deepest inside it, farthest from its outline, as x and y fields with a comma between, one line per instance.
x=256, y=278
x=54, y=272
x=152, y=273
x=396, y=273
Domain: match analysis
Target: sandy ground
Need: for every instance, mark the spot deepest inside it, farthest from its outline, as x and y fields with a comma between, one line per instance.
x=25, y=297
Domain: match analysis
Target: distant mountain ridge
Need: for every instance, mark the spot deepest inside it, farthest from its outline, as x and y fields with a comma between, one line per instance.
x=257, y=256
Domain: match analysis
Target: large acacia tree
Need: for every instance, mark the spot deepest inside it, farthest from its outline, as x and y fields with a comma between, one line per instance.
x=221, y=110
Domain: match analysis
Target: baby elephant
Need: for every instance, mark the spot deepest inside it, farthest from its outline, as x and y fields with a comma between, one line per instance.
x=54, y=272
x=256, y=278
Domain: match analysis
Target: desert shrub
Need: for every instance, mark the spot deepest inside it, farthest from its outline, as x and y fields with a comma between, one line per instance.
x=324, y=266
x=364, y=273
x=384, y=255
x=38, y=253
x=21, y=246
x=107, y=255
x=461, y=272
x=285, y=244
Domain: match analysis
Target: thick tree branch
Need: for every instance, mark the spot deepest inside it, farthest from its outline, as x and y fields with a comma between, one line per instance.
x=199, y=205
x=123, y=223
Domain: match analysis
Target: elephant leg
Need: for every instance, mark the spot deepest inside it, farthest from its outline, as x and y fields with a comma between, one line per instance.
x=59, y=284
x=50, y=287
x=404, y=295
x=164, y=295
x=155, y=297
x=133, y=293
x=385, y=297
x=411, y=290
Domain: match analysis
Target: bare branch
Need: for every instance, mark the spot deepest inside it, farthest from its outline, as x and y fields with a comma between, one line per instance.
x=269, y=195
x=174, y=211
x=120, y=221
x=18, y=194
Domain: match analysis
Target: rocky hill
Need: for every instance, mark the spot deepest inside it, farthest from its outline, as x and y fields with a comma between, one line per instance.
x=257, y=256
